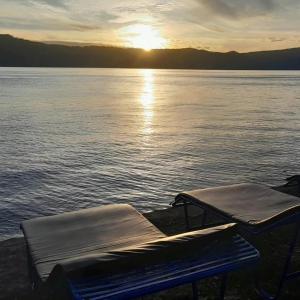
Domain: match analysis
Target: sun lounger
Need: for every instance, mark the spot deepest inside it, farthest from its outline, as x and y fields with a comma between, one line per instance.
x=256, y=209
x=113, y=252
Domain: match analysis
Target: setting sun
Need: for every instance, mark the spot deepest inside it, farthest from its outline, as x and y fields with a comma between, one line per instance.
x=146, y=37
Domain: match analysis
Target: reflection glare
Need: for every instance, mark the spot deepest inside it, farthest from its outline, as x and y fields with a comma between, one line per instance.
x=147, y=99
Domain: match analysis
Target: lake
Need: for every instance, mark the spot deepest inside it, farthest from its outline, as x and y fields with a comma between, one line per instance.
x=77, y=138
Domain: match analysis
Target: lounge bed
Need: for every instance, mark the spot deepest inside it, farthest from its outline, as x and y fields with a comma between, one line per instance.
x=114, y=252
x=255, y=208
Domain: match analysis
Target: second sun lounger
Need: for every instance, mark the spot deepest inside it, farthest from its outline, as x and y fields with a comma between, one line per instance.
x=256, y=208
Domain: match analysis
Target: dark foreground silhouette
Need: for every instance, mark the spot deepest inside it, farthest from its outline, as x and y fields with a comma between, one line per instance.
x=15, y=283
x=22, y=53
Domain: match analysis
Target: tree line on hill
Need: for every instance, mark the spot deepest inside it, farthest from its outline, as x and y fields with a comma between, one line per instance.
x=23, y=53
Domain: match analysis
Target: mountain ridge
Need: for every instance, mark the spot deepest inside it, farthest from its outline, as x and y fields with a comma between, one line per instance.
x=15, y=52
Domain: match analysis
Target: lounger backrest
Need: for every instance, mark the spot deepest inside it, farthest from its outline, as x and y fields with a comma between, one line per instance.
x=177, y=247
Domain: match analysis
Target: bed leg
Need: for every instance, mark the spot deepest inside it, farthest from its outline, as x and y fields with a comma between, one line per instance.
x=223, y=286
x=285, y=272
x=287, y=264
x=195, y=291
x=186, y=215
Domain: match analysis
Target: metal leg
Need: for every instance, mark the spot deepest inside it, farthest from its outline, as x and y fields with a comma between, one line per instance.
x=287, y=264
x=195, y=291
x=285, y=275
x=187, y=226
x=223, y=286
x=31, y=274
x=186, y=215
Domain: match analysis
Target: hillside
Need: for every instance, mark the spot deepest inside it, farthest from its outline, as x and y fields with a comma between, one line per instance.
x=24, y=53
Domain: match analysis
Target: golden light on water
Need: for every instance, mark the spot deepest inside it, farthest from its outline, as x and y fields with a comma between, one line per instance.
x=147, y=95
x=145, y=37
x=147, y=100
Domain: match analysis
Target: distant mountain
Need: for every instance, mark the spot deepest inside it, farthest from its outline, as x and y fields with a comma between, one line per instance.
x=64, y=43
x=23, y=53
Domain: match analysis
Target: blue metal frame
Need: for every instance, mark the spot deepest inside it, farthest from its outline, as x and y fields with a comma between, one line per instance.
x=285, y=275
x=232, y=255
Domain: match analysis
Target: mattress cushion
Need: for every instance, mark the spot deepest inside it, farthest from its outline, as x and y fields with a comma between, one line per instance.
x=53, y=239
x=180, y=247
x=252, y=205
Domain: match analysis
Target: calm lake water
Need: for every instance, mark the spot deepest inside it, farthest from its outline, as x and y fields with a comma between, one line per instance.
x=76, y=138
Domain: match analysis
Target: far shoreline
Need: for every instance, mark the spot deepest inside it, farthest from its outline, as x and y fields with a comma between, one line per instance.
x=16, y=52
x=143, y=68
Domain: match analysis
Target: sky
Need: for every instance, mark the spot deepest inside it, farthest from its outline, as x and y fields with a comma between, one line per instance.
x=216, y=25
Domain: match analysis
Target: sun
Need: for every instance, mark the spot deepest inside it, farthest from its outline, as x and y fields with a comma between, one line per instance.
x=146, y=37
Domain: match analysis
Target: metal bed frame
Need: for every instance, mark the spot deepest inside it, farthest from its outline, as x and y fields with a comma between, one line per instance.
x=232, y=256
x=286, y=275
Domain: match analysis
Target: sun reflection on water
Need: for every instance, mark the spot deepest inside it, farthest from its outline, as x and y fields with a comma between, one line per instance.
x=147, y=100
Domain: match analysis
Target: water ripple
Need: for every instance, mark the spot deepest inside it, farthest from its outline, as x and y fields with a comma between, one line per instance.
x=76, y=138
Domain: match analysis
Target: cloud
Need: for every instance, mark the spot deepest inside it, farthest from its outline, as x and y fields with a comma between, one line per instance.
x=54, y=3
x=59, y=3
x=35, y=16
x=241, y=25
x=50, y=24
x=239, y=8
x=274, y=39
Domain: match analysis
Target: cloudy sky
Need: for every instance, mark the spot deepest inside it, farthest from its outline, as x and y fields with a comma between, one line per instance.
x=218, y=25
